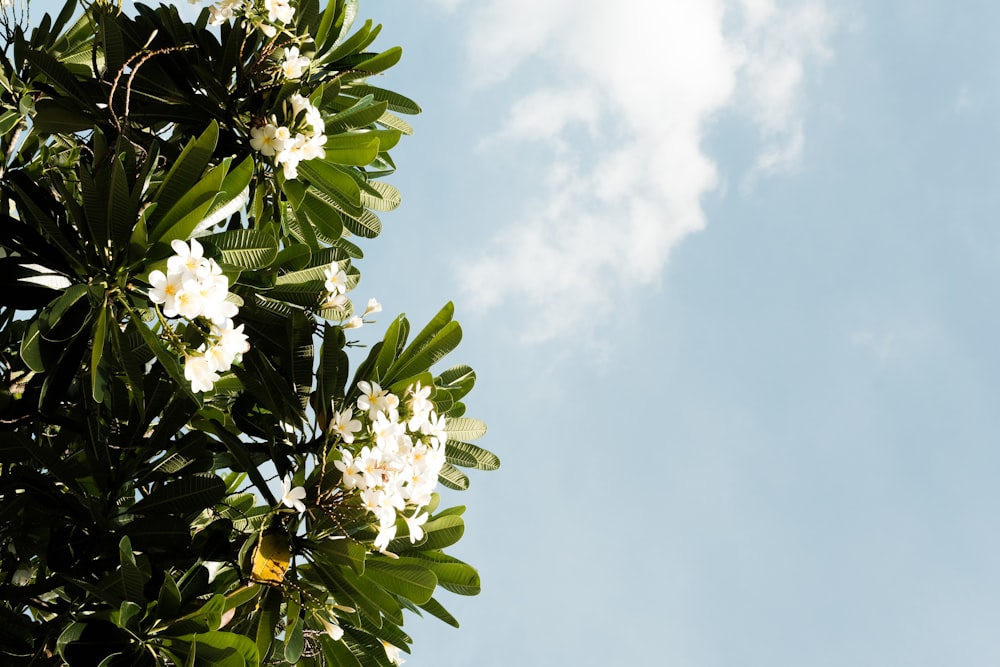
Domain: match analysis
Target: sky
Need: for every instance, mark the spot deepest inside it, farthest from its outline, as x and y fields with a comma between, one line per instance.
x=728, y=273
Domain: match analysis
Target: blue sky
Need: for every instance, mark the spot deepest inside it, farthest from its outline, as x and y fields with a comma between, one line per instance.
x=728, y=272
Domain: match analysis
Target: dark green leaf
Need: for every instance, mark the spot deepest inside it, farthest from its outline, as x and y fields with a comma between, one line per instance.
x=183, y=496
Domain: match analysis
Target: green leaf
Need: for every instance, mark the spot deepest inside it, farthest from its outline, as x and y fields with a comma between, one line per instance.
x=393, y=342
x=332, y=181
x=132, y=356
x=470, y=456
x=242, y=248
x=58, y=116
x=380, y=62
x=464, y=429
x=242, y=596
x=453, y=478
x=59, y=76
x=267, y=619
x=397, y=102
x=294, y=638
x=183, y=496
x=427, y=349
x=361, y=114
x=159, y=533
x=214, y=649
x=31, y=352
x=333, y=368
x=206, y=618
x=387, y=200
x=127, y=613
x=70, y=634
x=443, y=531
x=121, y=211
x=323, y=214
x=111, y=39
x=452, y=574
x=97, y=381
x=409, y=580
x=232, y=197
x=395, y=122
x=457, y=380
x=435, y=608
x=351, y=149
x=168, y=360
x=185, y=173
x=341, y=552
x=66, y=316
x=300, y=355
x=168, y=602
x=356, y=42
x=192, y=209
x=337, y=653
x=365, y=224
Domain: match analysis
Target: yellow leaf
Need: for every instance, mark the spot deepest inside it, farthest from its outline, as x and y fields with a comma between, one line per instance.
x=270, y=559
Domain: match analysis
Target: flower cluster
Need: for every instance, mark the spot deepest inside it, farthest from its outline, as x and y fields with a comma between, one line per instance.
x=193, y=288
x=402, y=449
x=302, y=139
x=269, y=15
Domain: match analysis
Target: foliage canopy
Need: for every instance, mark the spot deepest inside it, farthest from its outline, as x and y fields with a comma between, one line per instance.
x=182, y=210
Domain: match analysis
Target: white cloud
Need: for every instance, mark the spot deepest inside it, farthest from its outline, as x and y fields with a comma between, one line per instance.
x=628, y=91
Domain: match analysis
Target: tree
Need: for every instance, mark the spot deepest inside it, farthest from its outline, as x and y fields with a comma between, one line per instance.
x=183, y=212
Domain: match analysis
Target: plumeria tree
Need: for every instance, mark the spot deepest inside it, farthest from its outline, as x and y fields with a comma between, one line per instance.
x=190, y=471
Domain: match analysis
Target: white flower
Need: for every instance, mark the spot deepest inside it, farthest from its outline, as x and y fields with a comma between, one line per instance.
x=222, y=11
x=165, y=289
x=268, y=139
x=372, y=499
x=336, y=301
x=292, y=497
x=385, y=535
x=419, y=406
x=189, y=300
x=314, y=119
x=333, y=629
x=386, y=432
x=314, y=147
x=373, y=307
x=278, y=11
x=294, y=63
x=353, y=475
x=392, y=653
x=229, y=343
x=283, y=135
x=336, y=279
x=199, y=373
x=344, y=426
x=354, y=323
x=415, y=525
x=435, y=427
x=188, y=259
x=374, y=399
x=231, y=337
x=299, y=103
